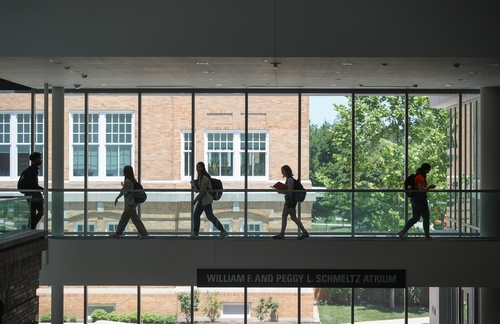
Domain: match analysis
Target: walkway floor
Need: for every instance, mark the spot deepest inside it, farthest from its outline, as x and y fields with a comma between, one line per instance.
x=420, y=320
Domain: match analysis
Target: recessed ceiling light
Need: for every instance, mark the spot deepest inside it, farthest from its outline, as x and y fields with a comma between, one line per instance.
x=474, y=73
x=208, y=72
x=219, y=85
x=347, y=64
x=202, y=63
x=333, y=85
x=447, y=85
x=266, y=61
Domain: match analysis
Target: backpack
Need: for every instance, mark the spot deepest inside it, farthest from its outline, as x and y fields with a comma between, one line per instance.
x=300, y=194
x=216, y=185
x=140, y=195
x=23, y=183
x=410, y=185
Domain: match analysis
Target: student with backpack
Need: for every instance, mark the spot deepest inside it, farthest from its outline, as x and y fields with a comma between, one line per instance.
x=290, y=204
x=29, y=181
x=419, y=204
x=203, y=202
x=130, y=209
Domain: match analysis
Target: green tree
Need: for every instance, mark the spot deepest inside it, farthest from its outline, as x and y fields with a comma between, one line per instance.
x=379, y=155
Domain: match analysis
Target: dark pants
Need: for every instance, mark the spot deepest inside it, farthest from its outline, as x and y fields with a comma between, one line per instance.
x=36, y=209
x=199, y=209
x=289, y=209
x=420, y=208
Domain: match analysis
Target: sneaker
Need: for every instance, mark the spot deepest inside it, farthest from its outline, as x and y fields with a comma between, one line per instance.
x=303, y=236
x=114, y=235
x=279, y=237
x=223, y=234
x=401, y=235
x=145, y=236
x=193, y=236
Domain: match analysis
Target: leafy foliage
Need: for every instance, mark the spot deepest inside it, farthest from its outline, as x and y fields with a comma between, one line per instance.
x=265, y=307
x=379, y=158
x=261, y=310
x=212, y=306
x=185, y=301
x=100, y=314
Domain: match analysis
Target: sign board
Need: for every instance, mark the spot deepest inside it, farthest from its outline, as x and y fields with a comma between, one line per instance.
x=301, y=278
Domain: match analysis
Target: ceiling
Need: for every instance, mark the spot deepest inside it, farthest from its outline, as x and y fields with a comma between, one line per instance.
x=250, y=72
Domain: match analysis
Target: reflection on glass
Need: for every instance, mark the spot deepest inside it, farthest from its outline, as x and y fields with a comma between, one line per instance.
x=331, y=213
x=14, y=215
x=379, y=212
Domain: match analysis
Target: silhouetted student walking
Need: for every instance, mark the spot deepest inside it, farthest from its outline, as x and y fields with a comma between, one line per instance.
x=130, y=209
x=419, y=204
x=29, y=180
x=204, y=202
x=290, y=204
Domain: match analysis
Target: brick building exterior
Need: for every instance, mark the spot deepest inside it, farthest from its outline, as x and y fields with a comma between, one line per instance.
x=157, y=130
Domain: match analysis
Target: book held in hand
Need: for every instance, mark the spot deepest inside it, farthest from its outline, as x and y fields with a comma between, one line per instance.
x=280, y=186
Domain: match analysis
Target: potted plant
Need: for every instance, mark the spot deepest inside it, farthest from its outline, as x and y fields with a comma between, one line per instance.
x=273, y=309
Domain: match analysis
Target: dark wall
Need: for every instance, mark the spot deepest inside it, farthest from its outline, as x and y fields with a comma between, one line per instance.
x=20, y=263
x=228, y=28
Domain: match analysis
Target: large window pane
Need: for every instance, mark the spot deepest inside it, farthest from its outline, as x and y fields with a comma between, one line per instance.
x=330, y=159
x=433, y=128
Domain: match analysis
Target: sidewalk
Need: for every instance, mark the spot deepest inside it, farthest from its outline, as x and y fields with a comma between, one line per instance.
x=420, y=320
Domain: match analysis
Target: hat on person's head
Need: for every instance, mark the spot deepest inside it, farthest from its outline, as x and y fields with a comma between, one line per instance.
x=35, y=155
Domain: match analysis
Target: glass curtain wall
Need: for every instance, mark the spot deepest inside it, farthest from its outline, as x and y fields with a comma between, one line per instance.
x=330, y=162
x=219, y=137
x=166, y=162
x=351, y=152
x=378, y=163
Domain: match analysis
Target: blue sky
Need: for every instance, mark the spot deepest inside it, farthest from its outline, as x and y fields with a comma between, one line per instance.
x=321, y=108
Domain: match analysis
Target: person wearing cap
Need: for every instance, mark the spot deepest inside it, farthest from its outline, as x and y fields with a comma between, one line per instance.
x=31, y=180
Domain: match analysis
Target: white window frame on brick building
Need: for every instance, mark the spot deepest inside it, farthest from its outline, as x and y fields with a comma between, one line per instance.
x=225, y=152
x=252, y=227
x=111, y=227
x=235, y=310
x=80, y=226
x=186, y=149
x=110, y=138
x=228, y=226
x=15, y=142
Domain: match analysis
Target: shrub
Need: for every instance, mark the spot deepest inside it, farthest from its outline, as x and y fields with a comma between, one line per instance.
x=99, y=315
x=45, y=318
x=185, y=301
x=73, y=319
x=261, y=310
x=212, y=306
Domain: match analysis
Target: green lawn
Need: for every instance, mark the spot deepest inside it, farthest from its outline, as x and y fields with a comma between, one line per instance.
x=342, y=314
x=331, y=227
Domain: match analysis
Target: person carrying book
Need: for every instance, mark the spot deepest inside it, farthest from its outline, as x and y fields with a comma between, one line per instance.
x=289, y=206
